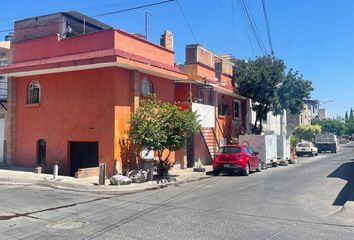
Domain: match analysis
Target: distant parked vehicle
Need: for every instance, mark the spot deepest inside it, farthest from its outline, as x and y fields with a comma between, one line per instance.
x=343, y=140
x=236, y=158
x=306, y=148
x=326, y=142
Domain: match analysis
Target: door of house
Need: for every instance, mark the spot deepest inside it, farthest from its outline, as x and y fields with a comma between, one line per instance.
x=41, y=152
x=83, y=155
x=190, y=151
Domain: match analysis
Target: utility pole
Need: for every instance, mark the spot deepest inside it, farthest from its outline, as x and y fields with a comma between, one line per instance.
x=146, y=24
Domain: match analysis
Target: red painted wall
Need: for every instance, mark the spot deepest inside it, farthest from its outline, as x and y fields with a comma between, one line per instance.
x=52, y=46
x=141, y=47
x=75, y=106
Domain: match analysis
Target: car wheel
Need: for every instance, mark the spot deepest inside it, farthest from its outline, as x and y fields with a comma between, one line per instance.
x=274, y=164
x=216, y=173
x=247, y=170
x=259, y=168
x=316, y=154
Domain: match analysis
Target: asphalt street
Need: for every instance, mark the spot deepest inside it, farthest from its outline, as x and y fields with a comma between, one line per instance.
x=309, y=200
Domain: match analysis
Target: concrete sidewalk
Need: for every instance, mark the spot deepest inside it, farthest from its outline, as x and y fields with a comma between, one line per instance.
x=90, y=184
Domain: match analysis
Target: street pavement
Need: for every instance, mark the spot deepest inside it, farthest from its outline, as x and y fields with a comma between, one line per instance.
x=309, y=200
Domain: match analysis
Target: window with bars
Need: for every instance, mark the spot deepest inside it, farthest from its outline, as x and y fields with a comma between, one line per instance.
x=224, y=110
x=33, y=93
x=146, y=87
x=237, y=110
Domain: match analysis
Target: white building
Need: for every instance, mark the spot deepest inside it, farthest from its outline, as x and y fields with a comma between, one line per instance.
x=272, y=123
x=5, y=58
x=322, y=113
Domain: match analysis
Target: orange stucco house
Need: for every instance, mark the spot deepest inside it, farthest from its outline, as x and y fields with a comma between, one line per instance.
x=73, y=85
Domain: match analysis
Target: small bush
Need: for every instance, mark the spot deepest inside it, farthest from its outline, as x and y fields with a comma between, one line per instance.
x=162, y=167
x=293, y=140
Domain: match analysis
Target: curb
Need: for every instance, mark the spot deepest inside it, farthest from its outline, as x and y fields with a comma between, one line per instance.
x=81, y=188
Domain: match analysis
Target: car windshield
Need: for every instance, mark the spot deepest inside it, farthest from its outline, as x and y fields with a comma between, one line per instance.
x=303, y=145
x=230, y=150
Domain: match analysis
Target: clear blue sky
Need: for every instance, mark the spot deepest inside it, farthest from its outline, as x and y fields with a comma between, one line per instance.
x=315, y=37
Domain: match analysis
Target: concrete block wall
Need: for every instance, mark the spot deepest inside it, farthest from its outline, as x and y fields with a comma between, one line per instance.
x=195, y=53
x=38, y=27
x=166, y=40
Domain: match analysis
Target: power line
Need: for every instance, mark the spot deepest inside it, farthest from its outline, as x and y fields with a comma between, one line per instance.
x=253, y=27
x=218, y=1
x=247, y=30
x=97, y=15
x=268, y=28
x=233, y=24
x=186, y=20
x=133, y=8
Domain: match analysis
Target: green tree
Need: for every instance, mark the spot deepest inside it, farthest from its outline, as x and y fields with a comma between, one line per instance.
x=349, y=126
x=346, y=115
x=351, y=115
x=336, y=126
x=161, y=127
x=258, y=80
x=307, y=132
x=293, y=140
x=292, y=92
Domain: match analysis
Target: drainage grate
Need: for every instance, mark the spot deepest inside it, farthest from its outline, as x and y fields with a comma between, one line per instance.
x=67, y=224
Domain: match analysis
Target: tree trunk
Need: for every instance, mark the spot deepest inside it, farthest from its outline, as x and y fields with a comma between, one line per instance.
x=255, y=128
x=168, y=155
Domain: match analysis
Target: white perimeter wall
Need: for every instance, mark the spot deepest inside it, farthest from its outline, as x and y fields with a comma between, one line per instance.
x=206, y=114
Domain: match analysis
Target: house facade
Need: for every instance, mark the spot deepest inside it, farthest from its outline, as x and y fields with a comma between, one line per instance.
x=309, y=112
x=5, y=59
x=74, y=83
x=210, y=91
x=72, y=96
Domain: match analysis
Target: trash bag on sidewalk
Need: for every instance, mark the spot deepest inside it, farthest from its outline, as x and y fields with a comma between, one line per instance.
x=119, y=180
x=137, y=176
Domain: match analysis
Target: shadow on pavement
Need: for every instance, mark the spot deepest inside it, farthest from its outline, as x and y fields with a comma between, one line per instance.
x=19, y=169
x=345, y=172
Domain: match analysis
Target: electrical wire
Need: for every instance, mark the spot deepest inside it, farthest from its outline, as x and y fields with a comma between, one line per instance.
x=97, y=15
x=133, y=8
x=253, y=27
x=267, y=26
x=218, y=1
x=247, y=31
x=186, y=20
x=233, y=25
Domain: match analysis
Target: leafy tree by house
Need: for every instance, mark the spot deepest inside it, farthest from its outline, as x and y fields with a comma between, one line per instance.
x=161, y=127
x=336, y=126
x=307, y=132
x=292, y=92
x=259, y=80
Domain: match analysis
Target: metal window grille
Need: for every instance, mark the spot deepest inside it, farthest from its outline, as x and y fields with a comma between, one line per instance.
x=33, y=93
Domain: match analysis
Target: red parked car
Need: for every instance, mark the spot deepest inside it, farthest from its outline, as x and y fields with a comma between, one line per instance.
x=233, y=158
